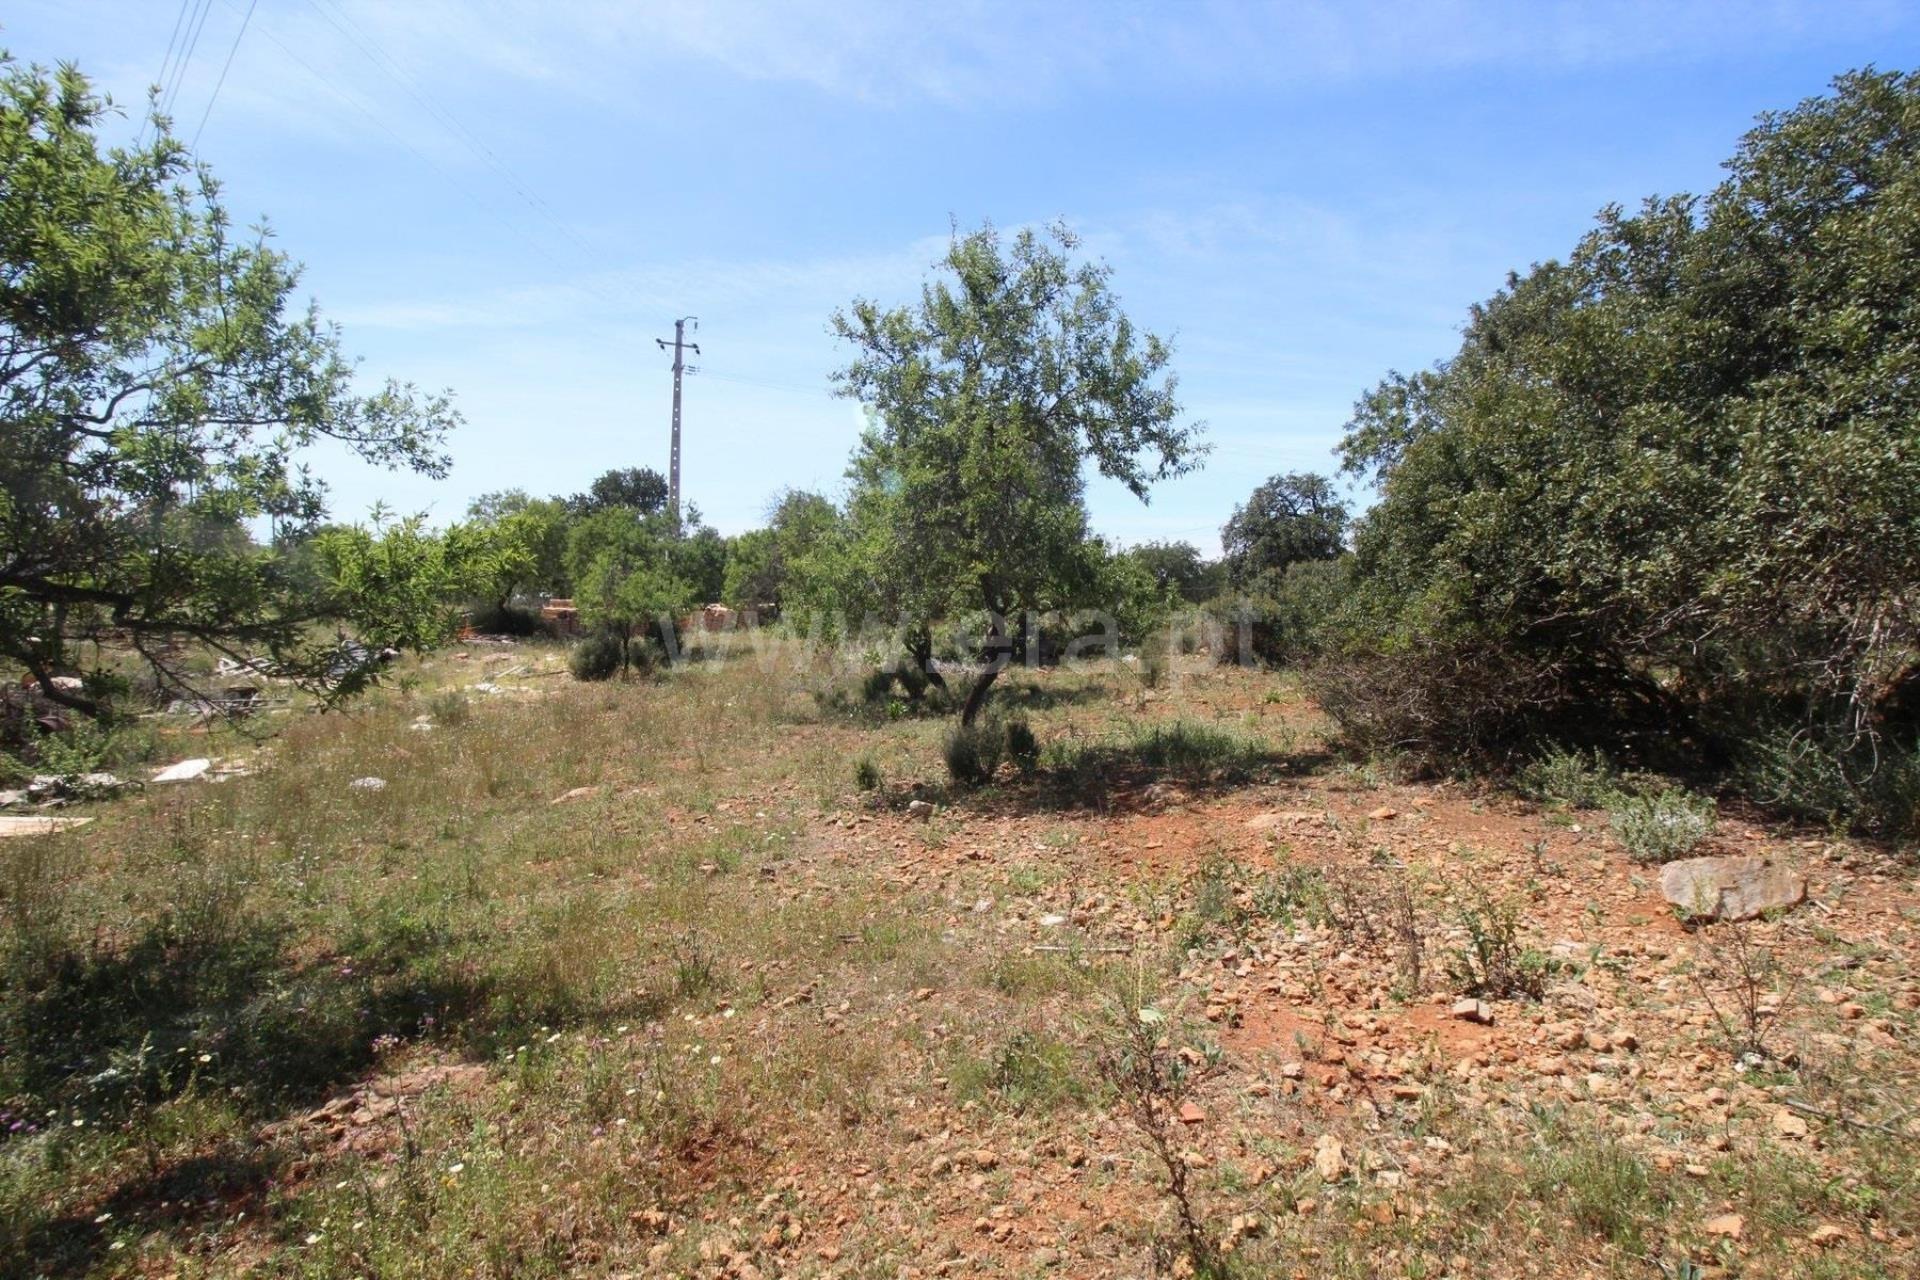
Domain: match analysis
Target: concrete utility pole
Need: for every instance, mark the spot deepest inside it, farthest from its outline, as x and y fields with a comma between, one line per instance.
x=680, y=366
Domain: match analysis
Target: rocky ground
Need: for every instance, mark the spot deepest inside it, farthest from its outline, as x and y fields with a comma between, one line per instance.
x=1308, y=1022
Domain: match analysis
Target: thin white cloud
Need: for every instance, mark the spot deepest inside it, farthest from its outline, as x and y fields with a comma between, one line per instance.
x=324, y=66
x=983, y=52
x=766, y=288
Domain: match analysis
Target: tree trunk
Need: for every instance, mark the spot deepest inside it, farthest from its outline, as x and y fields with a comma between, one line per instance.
x=920, y=653
x=995, y=649
x=977, y=696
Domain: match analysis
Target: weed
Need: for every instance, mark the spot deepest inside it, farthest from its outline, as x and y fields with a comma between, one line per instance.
x=1028, y=880
x=450, y=707
x=866, y=774
x=1030, y=1072
x=1579, y=780
x=1139, y=1060
x=1660, y=827
x=695, y=971
x=1403, y=924
x=1745, y=986
x=1602, y=1186
x=1495, y=962
x=1290, y=892
x=1213, y=890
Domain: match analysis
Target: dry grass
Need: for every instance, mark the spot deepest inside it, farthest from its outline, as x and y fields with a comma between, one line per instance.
x=730, y=1007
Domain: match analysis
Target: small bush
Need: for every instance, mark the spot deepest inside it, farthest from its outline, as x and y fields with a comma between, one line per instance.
x=913, y=680
x=1023, y=748
x=880, y=694
x=866, y=774
x=450, y=707
x=973, y=752
x=1875, y=788
x=598, y=657
x=1573, y=778
x=876, y=686
x=1661, y=827
x=84, y=746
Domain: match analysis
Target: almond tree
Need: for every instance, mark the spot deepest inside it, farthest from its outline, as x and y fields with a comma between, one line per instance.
x=156, y=389
x=989, y=398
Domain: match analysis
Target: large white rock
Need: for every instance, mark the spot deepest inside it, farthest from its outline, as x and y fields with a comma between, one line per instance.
x=1731, y=888
x=185, y=771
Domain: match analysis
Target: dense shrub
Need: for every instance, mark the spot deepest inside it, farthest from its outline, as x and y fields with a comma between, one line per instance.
x=1286, y=622
x=973, y=752
x=1665, y=498
x=1875, y=785
x=1023, y=748
x=598, y=656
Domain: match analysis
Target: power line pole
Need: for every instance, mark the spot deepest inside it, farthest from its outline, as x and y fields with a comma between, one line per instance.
x=680, y=366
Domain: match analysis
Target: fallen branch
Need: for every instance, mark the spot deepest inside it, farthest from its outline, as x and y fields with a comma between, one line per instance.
x=1807, y=1108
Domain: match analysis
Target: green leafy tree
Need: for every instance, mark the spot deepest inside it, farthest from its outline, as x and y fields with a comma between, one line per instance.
x=535, y=528
x=1014, y=371
x=761, y=562
x=640, y=488
x=754, y=573
x=1289, y=519
x=1179, y=570
x=157, y=386
x=629, y=576
x=1667, y=492
x=702, y=559
x=399, y=583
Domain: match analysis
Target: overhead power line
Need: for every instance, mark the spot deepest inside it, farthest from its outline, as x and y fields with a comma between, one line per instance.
x=224, y=68
x=377, y=55
x=195, y=25
x=535, y=242
x=173, y=41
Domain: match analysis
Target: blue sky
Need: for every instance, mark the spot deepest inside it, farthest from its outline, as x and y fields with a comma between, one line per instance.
x=514, y=198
